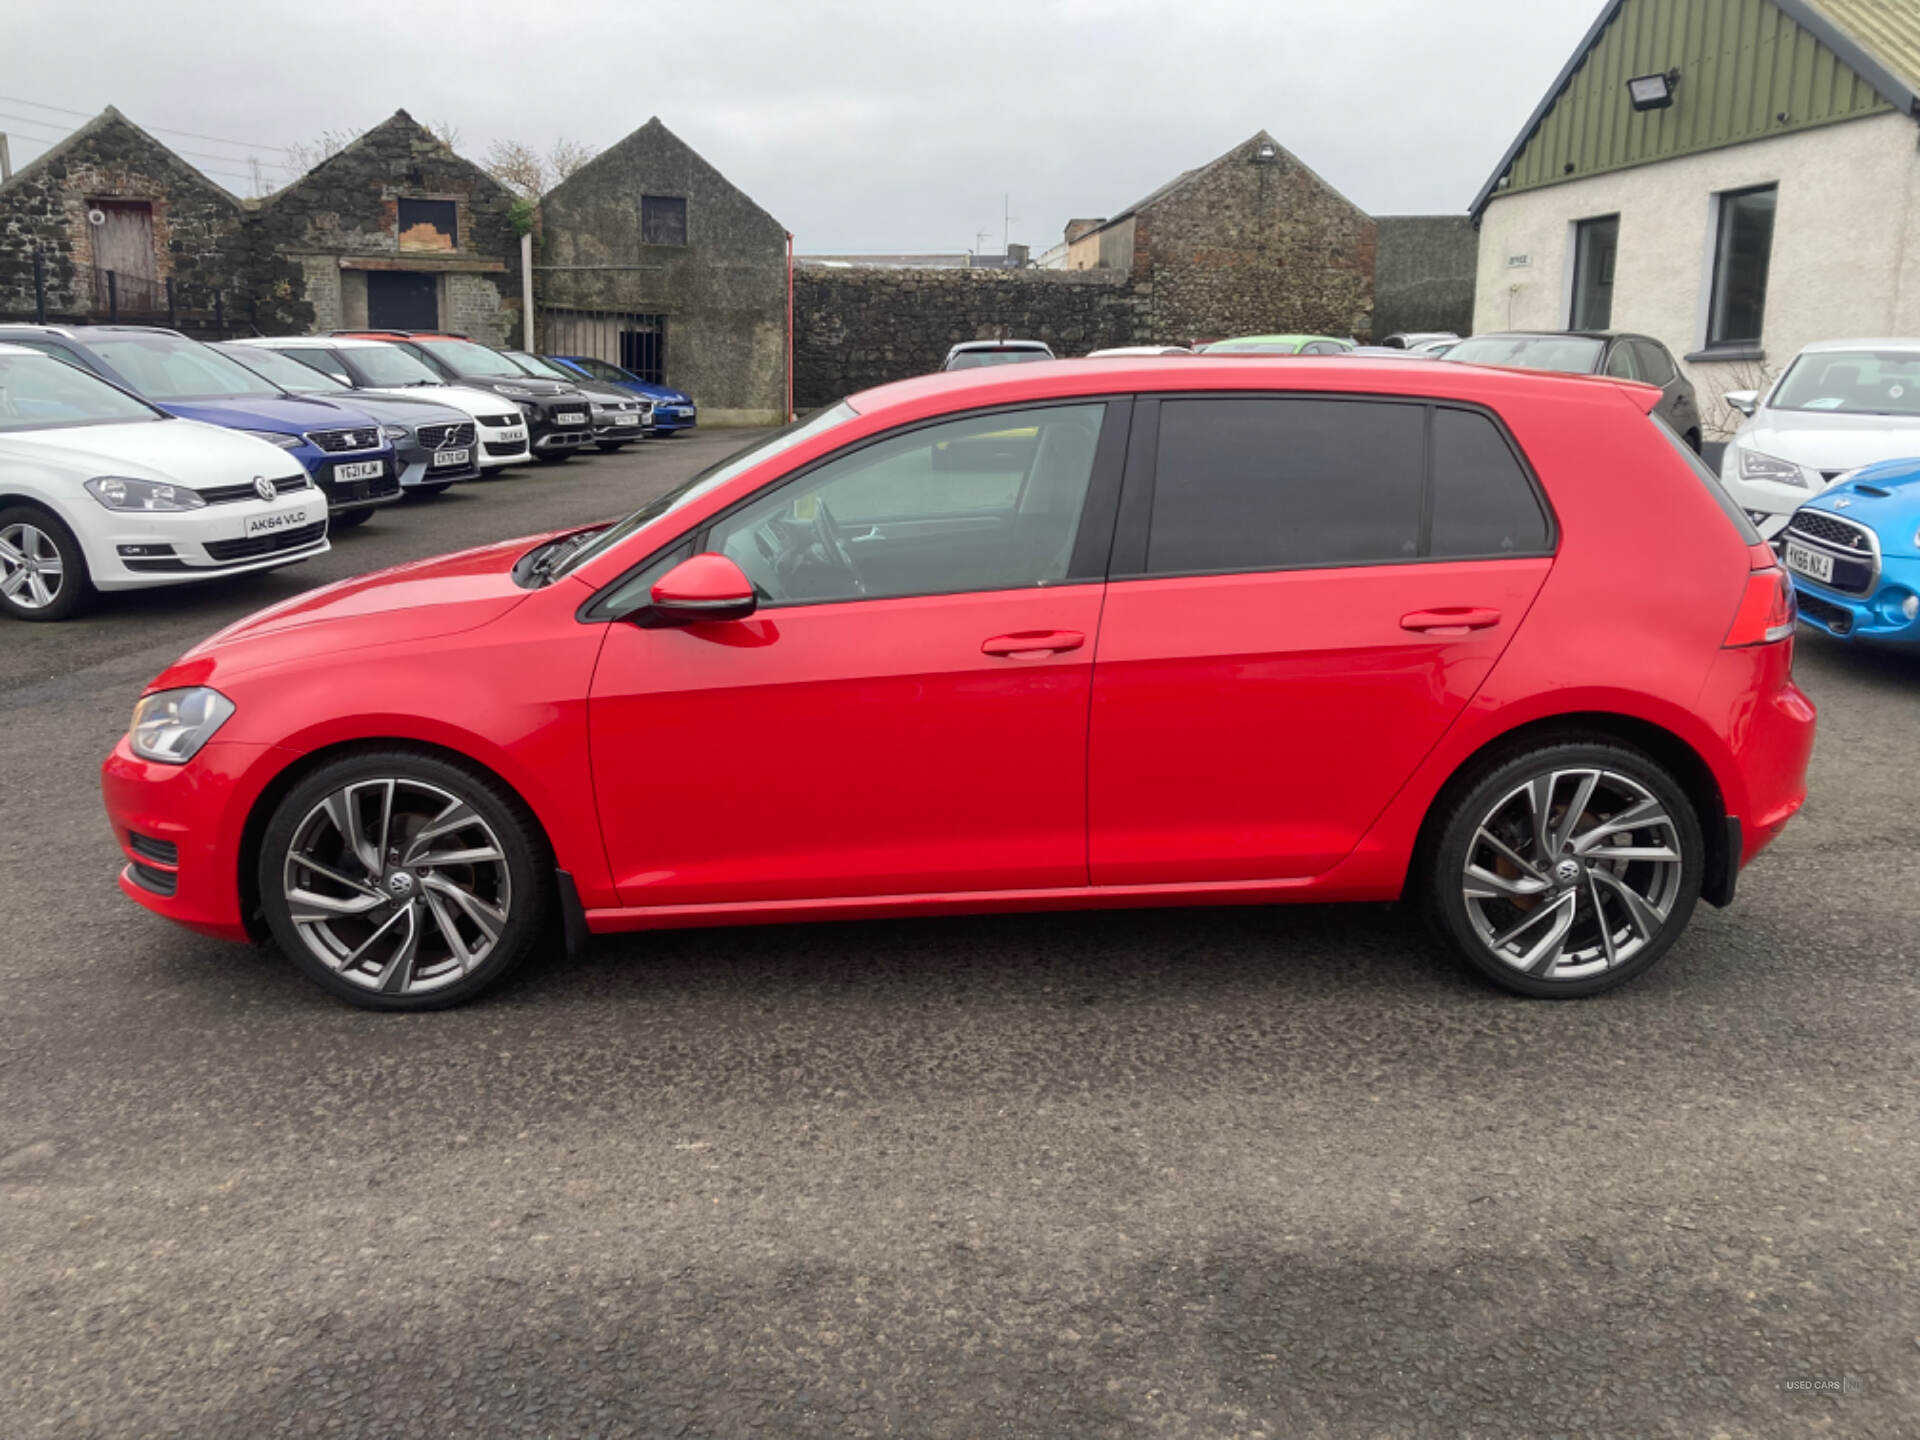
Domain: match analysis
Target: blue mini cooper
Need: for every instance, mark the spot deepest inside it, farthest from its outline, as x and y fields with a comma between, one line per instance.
x=1854, y=554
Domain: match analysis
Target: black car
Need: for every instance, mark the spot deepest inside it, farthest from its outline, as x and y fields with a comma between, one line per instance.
x=619, y=416
x=437, y=445
x=1593, y=352
x=559, y=416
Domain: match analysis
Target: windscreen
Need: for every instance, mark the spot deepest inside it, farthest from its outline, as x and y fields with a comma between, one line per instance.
x=1251, y=347
x=388, y=365
x=974, y=359
x=287, y=374
x=170, y=367
x=467, y=358
x=1852, y=382
x=38, y=392
x=1569, y=354
x=545, y=369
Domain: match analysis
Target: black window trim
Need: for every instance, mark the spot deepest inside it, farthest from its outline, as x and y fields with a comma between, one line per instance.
x=1136, y=500
x=1092, y=548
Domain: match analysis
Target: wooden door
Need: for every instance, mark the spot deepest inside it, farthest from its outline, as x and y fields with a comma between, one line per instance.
x=123, y=244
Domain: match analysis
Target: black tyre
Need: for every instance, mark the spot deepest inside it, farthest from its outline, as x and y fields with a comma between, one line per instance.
x=347, y=519
x=399, y=880
x=426, y=492
x=43, y=571
x=1565, y=870
x=552, y=457
x=611, y=447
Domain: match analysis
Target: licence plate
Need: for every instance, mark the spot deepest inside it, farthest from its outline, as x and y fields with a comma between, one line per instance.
x=1806, y=561
x=268, y=524
x=450, y=457
x=570, y=417
x=513, y=432
x=360, y=470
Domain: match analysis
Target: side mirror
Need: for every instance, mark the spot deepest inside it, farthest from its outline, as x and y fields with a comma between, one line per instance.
x=701, y=587
x=1745, y=401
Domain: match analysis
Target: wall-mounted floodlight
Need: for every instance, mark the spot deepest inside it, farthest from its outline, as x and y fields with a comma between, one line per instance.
x=1653, y=92
x=1267, y=153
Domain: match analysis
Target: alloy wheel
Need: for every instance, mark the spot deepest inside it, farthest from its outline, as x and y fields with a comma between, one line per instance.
x=397, y=886
x=1572, y=873
x=31, y=571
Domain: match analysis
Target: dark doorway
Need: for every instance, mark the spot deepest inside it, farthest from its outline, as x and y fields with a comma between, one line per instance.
x=1596, y=245
x=401, y=300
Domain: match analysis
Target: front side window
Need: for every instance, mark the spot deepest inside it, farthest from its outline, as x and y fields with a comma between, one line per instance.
x=987, y=502
x=1275, y=484
x=1852, y=382
x=663, y=220
x=1743, y=251
x=163, y=367
x=1596, y=246
x=38, y=392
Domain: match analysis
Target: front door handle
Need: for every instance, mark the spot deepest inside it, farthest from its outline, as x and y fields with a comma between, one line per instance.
x=1031, y=644
x=1451, y=619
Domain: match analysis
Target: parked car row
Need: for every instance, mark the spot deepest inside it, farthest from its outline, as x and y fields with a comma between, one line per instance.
x=95, y=494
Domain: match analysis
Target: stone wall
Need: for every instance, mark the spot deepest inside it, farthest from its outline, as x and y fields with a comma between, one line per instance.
x=723, y=294
x=1255, y=243
x=1423, y=274
x=866, y=325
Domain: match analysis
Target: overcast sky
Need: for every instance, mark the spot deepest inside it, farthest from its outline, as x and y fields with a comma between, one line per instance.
x=862, y=125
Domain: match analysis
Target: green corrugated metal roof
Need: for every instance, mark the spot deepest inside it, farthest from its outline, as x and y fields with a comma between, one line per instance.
x=1887, y=29
x=1744, y=64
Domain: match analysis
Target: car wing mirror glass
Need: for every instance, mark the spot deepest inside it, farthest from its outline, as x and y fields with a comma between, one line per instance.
x=701, y=587
x=1745, y=401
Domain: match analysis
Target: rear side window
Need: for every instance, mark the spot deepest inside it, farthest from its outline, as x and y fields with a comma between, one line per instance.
x=1655, y=367
x=1620, y=362
x=1273, y=484
x=1483, y=503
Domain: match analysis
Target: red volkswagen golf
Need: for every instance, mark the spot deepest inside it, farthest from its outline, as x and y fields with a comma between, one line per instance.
x=1031, y=637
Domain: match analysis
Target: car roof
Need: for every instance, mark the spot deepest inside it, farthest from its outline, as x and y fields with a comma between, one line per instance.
x=1560, y=335
x=1003, y=345
x=950, y=390
x=1909, y=343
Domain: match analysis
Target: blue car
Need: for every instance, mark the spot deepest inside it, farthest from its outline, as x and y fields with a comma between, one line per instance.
x=673, y=410
x=348, y=453
x=1854, y=554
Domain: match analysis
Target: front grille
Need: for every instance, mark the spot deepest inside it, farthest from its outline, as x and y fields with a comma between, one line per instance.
x=160, y=882
x=337, y=442
x=498, y=420
x=156, y=567
x=441, y=437
x=228, y=494
x=1855, y=566
x=270, y=544
x=1836, y=618
x=161, y=852
x=1832, y=530
x=506, y=449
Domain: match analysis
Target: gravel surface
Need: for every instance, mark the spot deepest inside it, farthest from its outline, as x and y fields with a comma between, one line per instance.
x=1181, y=1173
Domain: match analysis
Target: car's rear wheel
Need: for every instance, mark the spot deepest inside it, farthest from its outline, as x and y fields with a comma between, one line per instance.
x=1566, y=870
x=43, y=571
x=402, y=881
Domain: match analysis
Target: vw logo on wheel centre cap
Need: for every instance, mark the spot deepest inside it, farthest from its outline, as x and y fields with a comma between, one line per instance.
x=264, y=487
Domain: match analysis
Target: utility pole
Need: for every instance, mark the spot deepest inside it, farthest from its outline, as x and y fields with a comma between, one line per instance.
x=6, y=160
x=253, y=164
x=980, y=240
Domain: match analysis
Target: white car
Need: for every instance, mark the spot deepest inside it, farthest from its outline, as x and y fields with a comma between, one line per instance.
x=1119, y=352
x=384, y=368
x=969, y=354
x=1841, y=404
x=100, y=490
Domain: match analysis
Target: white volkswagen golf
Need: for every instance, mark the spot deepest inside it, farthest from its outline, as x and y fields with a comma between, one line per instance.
x=99, y=490
x=1840, y=405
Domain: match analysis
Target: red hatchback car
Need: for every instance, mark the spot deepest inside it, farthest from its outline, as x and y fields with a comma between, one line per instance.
x=1031, y=637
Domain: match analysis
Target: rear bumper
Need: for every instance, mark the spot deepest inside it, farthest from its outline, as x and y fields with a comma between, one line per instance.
x=1768, y=722
x=179, y=829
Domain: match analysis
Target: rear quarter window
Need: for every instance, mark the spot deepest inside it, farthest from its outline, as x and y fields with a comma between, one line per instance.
x=1483, y=503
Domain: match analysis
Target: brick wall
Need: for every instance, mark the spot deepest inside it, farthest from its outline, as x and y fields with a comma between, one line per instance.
x=865, y=326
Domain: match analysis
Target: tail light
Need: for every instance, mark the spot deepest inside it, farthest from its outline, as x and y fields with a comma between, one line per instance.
x=1766, y=612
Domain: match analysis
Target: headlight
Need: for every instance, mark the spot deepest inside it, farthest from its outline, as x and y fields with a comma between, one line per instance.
x=118, y=493
x=519, y=392
x=170, y=726
x=274, y=437
x=529, y=411
x=1755, y=466
x=395, y=432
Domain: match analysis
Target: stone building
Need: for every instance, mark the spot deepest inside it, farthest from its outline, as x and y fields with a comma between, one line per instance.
x=398, y=231
x=1251, y=243
x=111, y=200
x=651, y=259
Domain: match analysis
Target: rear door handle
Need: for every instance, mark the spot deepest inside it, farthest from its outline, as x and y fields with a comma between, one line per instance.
x=1030, y=644
x=1451, y=619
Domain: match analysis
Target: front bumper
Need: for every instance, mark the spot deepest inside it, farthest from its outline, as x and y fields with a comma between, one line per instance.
x=668, y=418
x=1879, y=617
x=179, y=829
x=138, y=549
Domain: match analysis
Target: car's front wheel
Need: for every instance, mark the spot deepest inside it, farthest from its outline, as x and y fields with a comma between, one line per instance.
x=552, y=457
x=403, y=881
x=43, y=571
x=347, y=519
x=1566, y=870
